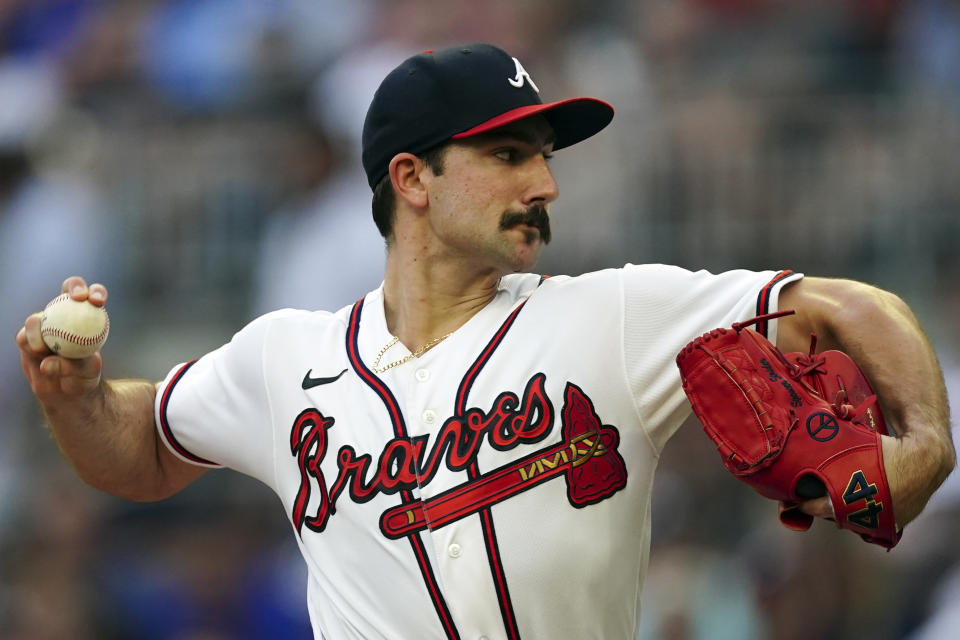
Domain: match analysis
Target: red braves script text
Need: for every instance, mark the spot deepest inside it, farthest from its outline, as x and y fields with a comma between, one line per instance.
x=402, y=465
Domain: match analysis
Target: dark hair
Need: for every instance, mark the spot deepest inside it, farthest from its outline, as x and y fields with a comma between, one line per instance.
x=385, y=199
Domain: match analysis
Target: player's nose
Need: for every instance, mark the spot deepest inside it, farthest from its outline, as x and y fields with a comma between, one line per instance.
x=543, y=186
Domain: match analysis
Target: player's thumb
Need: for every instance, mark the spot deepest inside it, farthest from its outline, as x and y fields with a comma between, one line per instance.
x=77, y=377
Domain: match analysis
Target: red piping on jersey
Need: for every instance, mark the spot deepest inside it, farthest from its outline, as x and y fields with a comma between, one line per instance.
x=473, y=472
x=375, y=383
x=400, y=430
x=763, y=299
x=461, y=404
x=165, y=424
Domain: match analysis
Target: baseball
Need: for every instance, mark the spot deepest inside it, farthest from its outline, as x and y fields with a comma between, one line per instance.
x=74, y=329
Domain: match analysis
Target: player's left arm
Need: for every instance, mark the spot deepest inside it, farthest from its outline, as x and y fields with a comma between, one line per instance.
x=880, y=332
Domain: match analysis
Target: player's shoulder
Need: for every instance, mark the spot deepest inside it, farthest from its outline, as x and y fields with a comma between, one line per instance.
x=544, y=288
x=668, y=279
x=525, y=283
x=286, y=317
x=653, y=278
x=293, y=321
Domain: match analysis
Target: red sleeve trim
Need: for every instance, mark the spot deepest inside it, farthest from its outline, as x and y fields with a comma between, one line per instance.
x=165, y=423
x=763, y=299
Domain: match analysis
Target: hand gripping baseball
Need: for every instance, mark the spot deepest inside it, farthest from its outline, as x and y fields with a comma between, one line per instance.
x=53, y=377
x=793, y=426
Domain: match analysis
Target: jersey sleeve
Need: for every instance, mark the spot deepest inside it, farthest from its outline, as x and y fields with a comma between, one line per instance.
x=215, y=411
x=664, y=308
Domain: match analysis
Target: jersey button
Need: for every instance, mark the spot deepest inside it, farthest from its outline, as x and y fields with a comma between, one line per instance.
x=454, y=550
x=429, y=416
x=422, y=375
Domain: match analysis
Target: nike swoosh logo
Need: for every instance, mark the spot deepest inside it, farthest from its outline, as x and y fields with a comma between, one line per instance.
x=309, y=383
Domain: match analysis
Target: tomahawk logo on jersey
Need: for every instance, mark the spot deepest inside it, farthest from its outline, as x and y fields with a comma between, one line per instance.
x=587, y=457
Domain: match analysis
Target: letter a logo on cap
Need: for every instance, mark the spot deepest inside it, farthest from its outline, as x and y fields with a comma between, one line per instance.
x=517, y=80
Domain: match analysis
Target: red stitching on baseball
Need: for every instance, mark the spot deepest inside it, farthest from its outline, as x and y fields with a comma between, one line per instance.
x=60, y=297
x=83, y=341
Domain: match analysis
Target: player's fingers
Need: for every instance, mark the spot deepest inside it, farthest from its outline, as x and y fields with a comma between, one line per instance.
x=76, y=287
x=88, y=367
x=31, y=338
x=98, y=294
x=21, y=338
x=43, y=380
x=58, y=377
x=28, y=358
x=74, y=376
x=818, y=508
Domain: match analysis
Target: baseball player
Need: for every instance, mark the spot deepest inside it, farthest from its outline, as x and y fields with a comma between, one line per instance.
x=468, y=451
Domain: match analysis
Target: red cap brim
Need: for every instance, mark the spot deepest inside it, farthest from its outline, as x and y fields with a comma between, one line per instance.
x=573, y=120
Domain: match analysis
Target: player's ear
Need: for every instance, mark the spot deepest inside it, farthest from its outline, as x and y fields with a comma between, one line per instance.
x=405, y=170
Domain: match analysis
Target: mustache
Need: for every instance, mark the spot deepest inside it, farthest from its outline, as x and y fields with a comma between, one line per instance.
x=536, y=216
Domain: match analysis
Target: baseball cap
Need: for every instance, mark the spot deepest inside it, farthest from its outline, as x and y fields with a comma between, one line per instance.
x=459, y=92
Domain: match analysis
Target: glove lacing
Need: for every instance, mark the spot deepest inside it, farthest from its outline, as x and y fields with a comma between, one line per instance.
x=811, y=365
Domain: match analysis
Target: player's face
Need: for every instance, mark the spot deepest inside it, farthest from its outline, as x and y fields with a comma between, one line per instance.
x=491, y=201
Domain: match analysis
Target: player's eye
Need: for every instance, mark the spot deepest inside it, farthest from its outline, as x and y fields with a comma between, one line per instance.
x=507, y=155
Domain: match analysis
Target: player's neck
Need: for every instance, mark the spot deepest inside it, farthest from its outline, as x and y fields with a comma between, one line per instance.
x=426, y=299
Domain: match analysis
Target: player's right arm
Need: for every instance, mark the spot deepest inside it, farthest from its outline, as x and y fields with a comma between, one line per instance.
x=105, y=428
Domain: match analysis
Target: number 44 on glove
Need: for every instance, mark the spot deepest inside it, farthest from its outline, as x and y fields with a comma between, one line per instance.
x=793, y=426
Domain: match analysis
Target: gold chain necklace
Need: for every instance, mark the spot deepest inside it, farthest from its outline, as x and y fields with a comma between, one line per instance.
x=415, y=354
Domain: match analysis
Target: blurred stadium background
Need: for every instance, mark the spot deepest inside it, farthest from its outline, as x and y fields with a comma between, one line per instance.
x=200, y=157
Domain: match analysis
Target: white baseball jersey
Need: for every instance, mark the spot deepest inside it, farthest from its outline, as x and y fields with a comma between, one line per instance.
x=496, y=487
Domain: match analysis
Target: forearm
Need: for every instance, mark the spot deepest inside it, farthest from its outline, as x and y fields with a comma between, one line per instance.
x=900, y=362
x=109, y=437
x=880, y=332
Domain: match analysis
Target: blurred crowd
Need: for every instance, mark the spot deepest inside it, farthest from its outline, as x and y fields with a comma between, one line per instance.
x=201, y=158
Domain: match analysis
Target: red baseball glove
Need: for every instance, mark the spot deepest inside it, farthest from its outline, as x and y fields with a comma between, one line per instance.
x=793, y=426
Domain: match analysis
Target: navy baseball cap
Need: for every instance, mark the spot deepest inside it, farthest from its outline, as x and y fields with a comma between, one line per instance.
x=460, y=92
